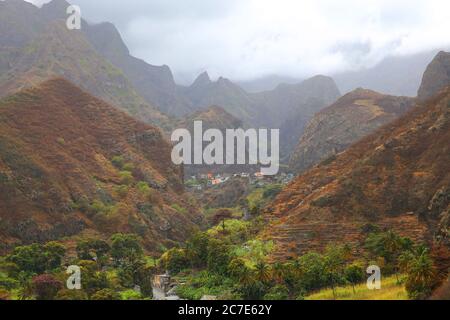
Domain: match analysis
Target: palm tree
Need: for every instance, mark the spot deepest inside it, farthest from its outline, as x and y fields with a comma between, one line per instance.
x=263, y=273
x=247, y=277
x=421, y=274
x=278, y=272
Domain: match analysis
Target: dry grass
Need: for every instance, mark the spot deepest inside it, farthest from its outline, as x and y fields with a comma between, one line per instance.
x=390, y=290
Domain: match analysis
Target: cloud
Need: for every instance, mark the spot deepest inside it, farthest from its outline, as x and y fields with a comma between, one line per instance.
x=245, y=39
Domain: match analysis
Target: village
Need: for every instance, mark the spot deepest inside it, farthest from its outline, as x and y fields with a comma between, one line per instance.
x=204, y=181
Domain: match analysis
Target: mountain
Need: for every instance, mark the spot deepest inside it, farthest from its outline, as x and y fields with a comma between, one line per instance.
x=213, y=117
x=395, y=75
x=224, y=93
x=352, y=117
x=155, y=83
x=289, y=107
x=397, y=178
x=72, y=165
x=266, y=83
x=50, y=50
x=436, y=77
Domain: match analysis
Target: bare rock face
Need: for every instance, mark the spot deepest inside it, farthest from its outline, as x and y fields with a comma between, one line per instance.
x=436, y=77
x=351, y=118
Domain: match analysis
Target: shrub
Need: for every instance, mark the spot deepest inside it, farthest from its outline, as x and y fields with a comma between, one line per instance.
x=354, y=274
x=179, y=209
x=118, y=162
x=130, y=295
x=126, y=248
x=175, y=260
x=278, y=292
x=218, y=257
x=144, y=188
x=272, y=191
x=106, y=294
x=61, y=141
x=45, y=287
x=128, y=167
x=71, y=295
x=126, y=177
x=122, y=190
x=7, y=283
x=197, y=249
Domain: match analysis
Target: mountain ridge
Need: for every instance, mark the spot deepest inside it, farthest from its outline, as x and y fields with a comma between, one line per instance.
x=62, y=177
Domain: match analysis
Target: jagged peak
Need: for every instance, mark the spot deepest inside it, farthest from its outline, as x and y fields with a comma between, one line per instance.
x=202, y=80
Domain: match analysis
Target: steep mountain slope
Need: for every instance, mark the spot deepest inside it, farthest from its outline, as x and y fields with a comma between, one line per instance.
x=436, y=77
x=213, y=117
x=155, y=83
x=398, y=177
x=70, y=164
x=290, y=106
x=204, y=93
x=19, y=23
x=53, y=50
x=351, y=118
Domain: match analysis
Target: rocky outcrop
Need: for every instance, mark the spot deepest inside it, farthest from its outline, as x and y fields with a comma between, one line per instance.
x=436, y=77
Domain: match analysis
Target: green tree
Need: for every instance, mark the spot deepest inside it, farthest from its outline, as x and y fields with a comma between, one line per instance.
x=237, y=268
x=126, y=249
x=263, y=272
x=389, y=246
x=218, y=257
x=93, y=249
x=30, y=259
x=334, y=262
x=312, y=270
x=197, y=249
x=36, y=258
x=92, y=278
x=54, y=253
x=420, y=275
x=354, y=274
x=175, y=260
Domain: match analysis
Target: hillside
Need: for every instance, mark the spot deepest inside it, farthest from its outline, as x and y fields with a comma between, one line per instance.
x=397, y=178
x=289, y=107
x=224, y=93
x=351, y=118
x=71, y=165
x=154, y=83
x=51, y=50
x=213, y=117
x=436, y=76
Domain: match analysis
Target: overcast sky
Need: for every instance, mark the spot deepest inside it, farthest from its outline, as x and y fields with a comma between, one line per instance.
x=246, y=39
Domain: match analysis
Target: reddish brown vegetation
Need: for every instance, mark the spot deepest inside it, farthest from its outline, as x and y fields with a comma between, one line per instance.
x=397, y=178
x=57, y=177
